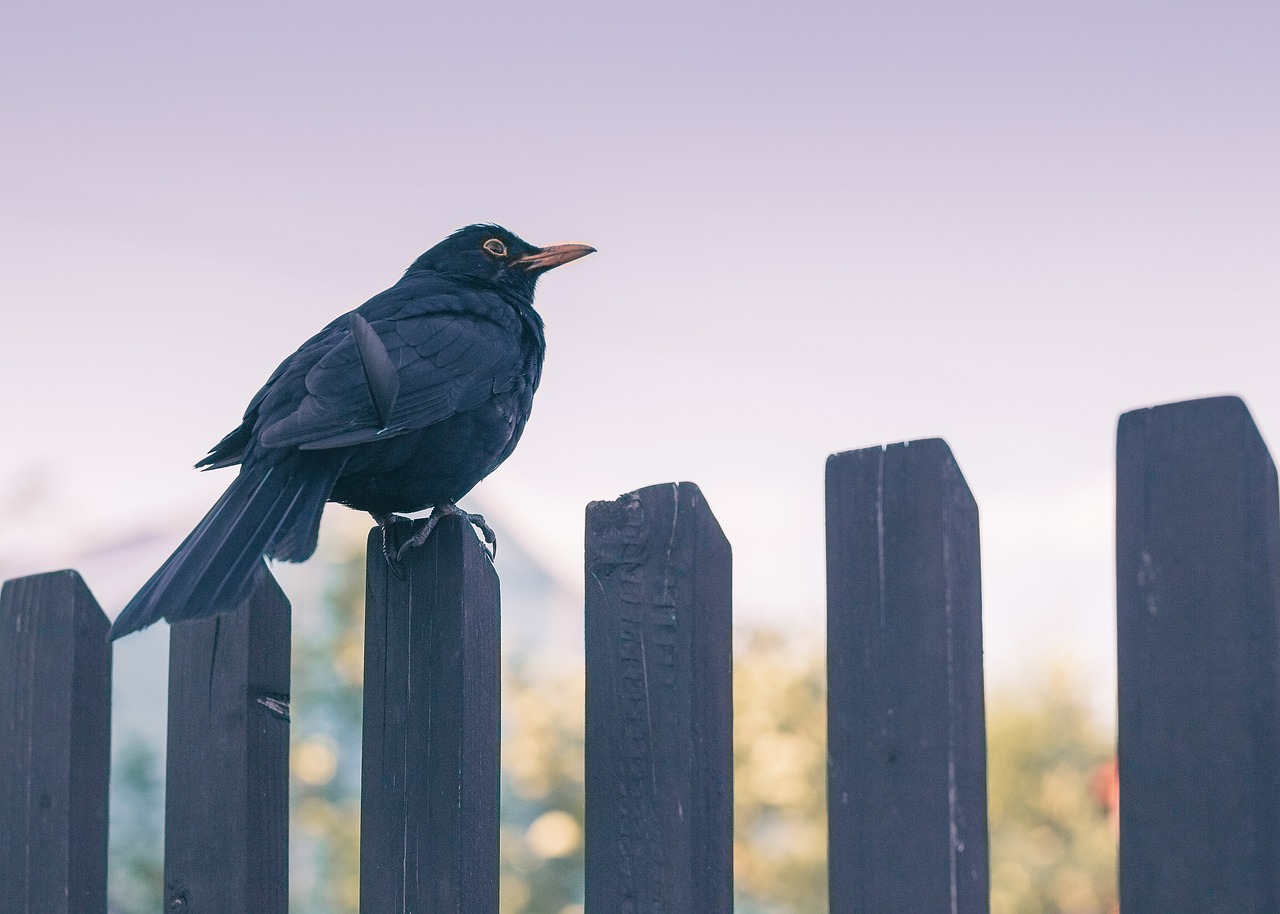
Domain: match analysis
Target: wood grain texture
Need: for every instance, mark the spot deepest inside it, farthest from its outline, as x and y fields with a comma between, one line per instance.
x=55, y=746
x=659, y=765
x=1197, y=563
x=227, y=766
x=429, y=800
x=906, y=728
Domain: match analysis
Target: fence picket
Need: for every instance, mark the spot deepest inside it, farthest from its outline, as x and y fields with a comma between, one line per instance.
x=429, y=799
x=659, y=766
x=906, y=734
x=1197, y=561
x=227, y=767
x=55, y=746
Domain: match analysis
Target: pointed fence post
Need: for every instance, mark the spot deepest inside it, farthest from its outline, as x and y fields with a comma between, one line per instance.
x=226, y=835
x=55, y=746
x=429, y=798
x=907, y=793
x=659, y=755
x=1197, y=540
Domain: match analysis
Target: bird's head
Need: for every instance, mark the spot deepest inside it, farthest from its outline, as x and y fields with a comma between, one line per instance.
x=493, y=255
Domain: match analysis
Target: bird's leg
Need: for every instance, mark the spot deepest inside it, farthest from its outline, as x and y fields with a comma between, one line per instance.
x=444, y=509
x=424, y=531
x=389, y=551
x=486, y=532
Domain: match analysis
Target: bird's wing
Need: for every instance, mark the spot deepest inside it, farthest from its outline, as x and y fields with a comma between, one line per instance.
x=445, y=362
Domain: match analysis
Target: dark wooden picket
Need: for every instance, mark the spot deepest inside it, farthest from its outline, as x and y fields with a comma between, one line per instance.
x=227, y=765
x=1197, y=563
x=907, y=792
x=55, y=745
x=429, y=800
x=659, y=756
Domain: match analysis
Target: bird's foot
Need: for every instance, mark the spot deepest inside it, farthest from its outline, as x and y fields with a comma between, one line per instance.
x=486, y=532
x=395, y=556
x=420, y=536
x=390, y=551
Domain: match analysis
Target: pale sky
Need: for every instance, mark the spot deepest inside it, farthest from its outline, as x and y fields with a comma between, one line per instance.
x=820, y=227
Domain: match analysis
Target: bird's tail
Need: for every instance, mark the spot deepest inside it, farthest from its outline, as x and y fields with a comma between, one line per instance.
x=269, y=509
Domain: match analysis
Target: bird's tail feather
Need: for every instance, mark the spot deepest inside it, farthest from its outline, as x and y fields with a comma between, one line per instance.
x=268, y=509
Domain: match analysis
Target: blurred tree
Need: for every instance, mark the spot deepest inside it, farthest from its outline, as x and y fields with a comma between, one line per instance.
x=1053, y=845
x=326, y=706
x=136, y=878
x=542, y=791
x=780, y=775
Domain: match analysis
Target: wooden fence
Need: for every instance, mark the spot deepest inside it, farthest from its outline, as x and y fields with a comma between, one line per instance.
x=1198, y=564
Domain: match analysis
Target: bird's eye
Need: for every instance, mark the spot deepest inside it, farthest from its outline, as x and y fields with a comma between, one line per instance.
x=495, y=247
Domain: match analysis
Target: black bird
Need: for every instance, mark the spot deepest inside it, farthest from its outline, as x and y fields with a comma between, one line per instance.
x=401, y=405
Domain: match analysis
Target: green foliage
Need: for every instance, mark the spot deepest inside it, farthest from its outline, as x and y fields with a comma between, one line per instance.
x=1053, y=846
x=136, y=883
x=542, y=792
x=780, y=776
x=326, y=707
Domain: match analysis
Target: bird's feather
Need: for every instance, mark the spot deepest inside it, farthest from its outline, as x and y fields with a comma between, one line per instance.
x=268, y=509
x=379, y=373
x=451, y=366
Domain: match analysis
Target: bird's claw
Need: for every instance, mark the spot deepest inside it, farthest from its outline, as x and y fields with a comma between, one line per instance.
x=395, y=554
x=419, y=537
x=389, y=550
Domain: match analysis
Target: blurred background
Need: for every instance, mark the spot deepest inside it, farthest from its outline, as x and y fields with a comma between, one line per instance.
x=820, y=227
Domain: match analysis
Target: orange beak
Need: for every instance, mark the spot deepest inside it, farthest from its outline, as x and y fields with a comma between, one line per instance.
x=551, y=256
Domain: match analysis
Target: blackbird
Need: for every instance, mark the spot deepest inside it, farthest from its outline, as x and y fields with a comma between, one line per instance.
x=401, y=405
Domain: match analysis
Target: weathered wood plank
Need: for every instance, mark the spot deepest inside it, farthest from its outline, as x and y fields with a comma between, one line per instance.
x=55, y=746
x=227, y=768
x=659, y=755
x=429, y=800
x=905, y=723
x=1197, y=561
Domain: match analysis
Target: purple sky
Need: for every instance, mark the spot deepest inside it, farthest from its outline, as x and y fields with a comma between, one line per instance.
x=824, y=228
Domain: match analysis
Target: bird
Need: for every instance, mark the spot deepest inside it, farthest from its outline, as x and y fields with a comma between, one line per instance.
x=396, y=407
